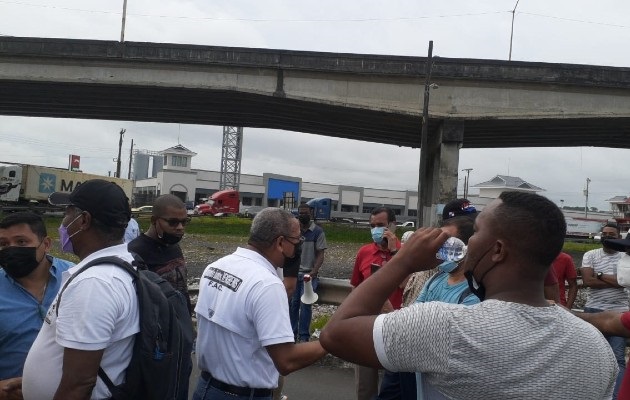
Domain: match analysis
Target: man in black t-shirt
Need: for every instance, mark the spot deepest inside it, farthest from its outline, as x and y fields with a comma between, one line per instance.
x=159, y=245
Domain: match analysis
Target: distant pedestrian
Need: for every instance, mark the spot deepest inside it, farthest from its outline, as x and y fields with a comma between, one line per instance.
x=370, y=258
x=312, y=259
x=566, y=273
x=132, y=231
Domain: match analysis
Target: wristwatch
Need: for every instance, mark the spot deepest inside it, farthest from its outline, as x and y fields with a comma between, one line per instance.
x=599, y=275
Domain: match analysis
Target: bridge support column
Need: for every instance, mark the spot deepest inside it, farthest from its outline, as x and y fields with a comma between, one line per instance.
x=440, y=177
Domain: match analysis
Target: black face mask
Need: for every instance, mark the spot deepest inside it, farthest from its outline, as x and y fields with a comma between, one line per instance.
x=304, y=219
x=18, y=262
x=478, y=288
x=168, y=238
x=296, y=259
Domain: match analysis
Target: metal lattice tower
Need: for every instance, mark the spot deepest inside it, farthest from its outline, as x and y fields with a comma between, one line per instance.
x=231, y=158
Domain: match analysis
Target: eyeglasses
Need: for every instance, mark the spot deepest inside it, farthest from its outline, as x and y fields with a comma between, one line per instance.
x=174, y=222
x=300, y=240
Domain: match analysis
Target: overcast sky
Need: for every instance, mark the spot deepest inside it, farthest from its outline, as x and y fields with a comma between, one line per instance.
x=563, y=31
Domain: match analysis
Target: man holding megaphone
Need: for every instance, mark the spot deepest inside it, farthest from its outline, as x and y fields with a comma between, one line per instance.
x=312, y=258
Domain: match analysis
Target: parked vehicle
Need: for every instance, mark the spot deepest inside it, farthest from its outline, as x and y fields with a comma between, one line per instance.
x=223, y=202
x=407, y=224
x=581, y=227
x=141, y=211
x=25, y=187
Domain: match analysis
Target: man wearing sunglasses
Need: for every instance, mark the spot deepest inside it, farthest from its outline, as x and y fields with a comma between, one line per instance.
x=159, y=245
x=159, y=248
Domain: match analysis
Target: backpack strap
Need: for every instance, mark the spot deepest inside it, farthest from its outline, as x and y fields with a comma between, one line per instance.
x=467, y=292
x=101, y=260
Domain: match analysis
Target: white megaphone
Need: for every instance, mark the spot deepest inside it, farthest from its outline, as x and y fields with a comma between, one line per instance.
x=309, y=296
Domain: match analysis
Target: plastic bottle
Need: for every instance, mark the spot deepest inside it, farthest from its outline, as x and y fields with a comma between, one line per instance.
x=452, y=250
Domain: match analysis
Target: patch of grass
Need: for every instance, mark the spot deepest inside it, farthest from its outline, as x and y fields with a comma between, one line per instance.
x=335, y=233
x=319, y=322
x=580, y=247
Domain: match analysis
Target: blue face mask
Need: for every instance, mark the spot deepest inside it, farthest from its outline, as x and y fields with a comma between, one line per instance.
x=377, y=234
x=448, y=266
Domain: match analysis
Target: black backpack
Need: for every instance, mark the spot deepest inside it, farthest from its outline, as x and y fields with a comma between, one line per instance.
x=160, y=360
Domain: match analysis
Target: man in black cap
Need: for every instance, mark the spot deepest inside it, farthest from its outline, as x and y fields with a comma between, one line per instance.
x=96, y=322
x=457, y=208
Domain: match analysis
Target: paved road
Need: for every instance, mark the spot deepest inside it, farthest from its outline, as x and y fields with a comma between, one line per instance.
x=320, y=383
x=312, y=383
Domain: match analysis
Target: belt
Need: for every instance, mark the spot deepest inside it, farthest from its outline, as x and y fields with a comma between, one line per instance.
x=236, y=390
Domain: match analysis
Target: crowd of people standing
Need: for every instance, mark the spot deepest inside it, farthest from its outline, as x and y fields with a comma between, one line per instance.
x=484, y=327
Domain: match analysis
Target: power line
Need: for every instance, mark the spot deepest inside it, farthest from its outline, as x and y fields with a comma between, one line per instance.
x=575, y=20
x=377, y=19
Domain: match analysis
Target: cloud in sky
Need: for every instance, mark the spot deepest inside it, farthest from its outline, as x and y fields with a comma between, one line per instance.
x=563, y=31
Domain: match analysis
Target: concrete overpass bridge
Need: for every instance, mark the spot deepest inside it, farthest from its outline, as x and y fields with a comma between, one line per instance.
x=479, y=103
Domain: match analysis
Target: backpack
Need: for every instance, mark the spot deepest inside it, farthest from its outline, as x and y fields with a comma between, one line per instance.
x=160, y=361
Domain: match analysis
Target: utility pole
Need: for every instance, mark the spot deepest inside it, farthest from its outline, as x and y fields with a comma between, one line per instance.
x=466, y=181
x=423, y=190
x=586, y=194
x=120, y=142
x=130, y=159
x=511, y=31
x=124, y=20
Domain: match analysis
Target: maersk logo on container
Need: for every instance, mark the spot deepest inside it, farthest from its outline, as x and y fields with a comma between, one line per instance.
x=48, y=184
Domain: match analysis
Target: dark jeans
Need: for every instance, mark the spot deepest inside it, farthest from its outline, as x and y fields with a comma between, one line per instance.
x=391, y=388
x=300, y=313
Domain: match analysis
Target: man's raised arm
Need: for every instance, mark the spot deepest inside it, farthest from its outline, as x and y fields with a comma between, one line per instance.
x=348, y=334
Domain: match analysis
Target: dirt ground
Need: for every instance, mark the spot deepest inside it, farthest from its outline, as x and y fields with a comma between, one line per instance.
x=200, y=251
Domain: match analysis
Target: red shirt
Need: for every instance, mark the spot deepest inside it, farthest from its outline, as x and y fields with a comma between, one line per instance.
x=373, y=254
x=565, y=270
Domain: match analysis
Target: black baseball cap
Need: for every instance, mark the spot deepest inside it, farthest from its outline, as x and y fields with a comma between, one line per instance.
x=104, y=200
x=458, y=207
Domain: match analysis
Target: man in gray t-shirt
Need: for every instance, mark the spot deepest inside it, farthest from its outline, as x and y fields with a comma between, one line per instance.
x=506, y=347
x=599, y=274
x=313, y=250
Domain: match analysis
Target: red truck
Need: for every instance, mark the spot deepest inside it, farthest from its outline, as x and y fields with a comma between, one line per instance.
x=220, y=203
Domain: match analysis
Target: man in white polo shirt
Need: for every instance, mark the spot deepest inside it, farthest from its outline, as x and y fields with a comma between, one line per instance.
x=244, y=332
x=96, y=319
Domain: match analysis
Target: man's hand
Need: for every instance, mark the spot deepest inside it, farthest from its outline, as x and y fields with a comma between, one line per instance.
x=392, y=240
x=418, y=254
x=11, y=389
x=348, y=334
